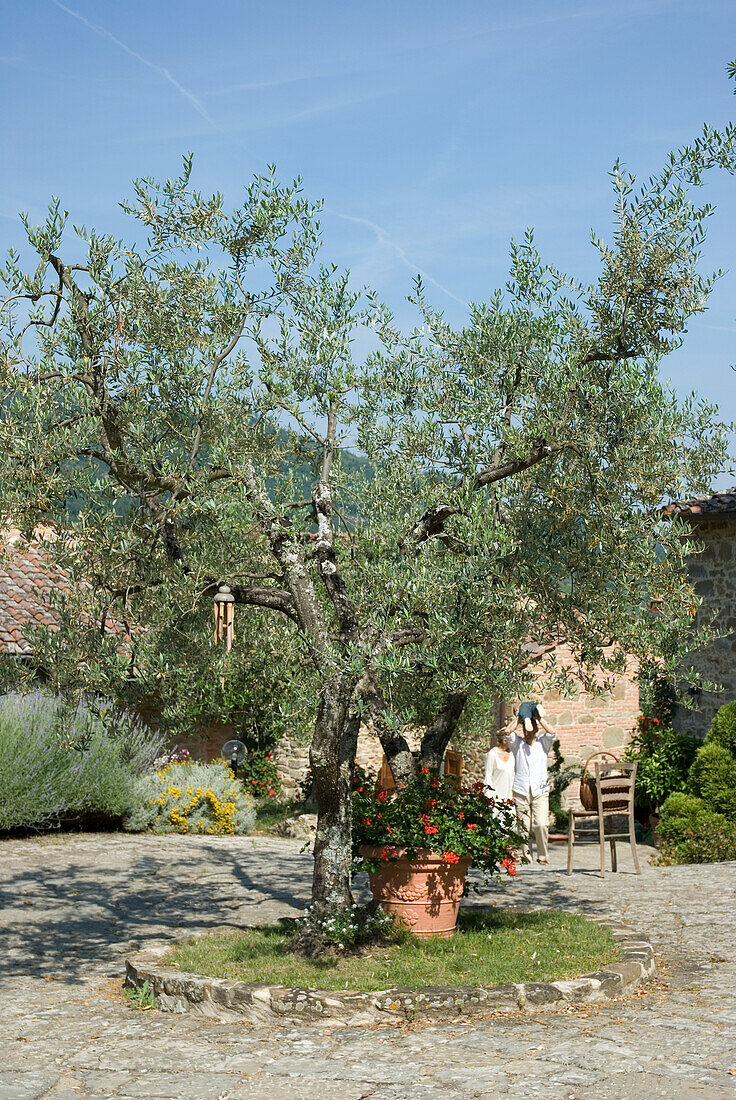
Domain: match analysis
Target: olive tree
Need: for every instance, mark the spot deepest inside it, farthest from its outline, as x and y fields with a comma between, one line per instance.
x=412, y=515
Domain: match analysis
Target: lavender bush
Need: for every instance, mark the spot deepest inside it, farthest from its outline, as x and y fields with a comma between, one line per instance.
x=58, y=760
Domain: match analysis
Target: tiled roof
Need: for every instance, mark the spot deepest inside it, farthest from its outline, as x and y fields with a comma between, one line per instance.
x=26, y=577
x=711, y=504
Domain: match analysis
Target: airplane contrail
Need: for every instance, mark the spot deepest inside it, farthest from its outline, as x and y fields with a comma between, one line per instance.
x=198, y=106
x=383, y=238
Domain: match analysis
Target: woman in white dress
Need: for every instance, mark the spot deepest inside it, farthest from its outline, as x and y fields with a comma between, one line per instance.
x=498, y=782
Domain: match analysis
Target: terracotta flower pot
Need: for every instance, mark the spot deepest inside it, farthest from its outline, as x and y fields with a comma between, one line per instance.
x=424, y=892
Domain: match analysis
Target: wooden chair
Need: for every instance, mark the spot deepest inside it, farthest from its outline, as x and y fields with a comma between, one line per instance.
x=614, y=785
x=453, y=766
x=386, y=780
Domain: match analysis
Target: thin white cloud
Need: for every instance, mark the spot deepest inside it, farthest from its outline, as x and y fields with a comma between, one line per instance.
x=386, y=241
x=161, y=69
x=276, y=82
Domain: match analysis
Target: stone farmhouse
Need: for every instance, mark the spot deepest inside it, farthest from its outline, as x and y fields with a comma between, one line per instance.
x=712, y=523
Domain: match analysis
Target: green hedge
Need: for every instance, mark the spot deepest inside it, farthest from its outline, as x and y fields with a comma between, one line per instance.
x=713, y=778
x=693, y=833
x=699, y=825
x=723, y=729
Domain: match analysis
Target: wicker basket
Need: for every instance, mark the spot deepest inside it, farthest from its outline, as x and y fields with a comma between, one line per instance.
x=588, y=792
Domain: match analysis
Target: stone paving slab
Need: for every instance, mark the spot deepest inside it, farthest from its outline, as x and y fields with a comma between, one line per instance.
x=74, y=906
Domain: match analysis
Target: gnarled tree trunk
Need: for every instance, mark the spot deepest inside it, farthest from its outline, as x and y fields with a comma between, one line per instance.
x=332, y=758
x=437, y=736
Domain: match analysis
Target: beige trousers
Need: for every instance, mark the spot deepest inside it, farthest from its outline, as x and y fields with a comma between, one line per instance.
x=533, y=814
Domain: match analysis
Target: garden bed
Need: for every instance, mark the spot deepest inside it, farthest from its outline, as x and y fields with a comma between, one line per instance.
x=498, y=962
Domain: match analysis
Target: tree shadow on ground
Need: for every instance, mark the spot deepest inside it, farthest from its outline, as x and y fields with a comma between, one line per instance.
x=84, y=910
x=68, y=920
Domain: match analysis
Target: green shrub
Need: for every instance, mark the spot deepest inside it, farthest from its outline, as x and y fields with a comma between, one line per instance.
x=713, y=778
x=59, y=761
x=664, y=757
x=561, y=775
x=260, y=774
x=192, y=798
x=680, y=812
x=693, y=833
x=723, y=729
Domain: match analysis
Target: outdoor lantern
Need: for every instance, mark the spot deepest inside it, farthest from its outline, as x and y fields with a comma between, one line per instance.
x=224, y=617
x=235, y=753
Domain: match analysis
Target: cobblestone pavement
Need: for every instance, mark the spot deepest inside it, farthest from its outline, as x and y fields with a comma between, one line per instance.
x=75, y=905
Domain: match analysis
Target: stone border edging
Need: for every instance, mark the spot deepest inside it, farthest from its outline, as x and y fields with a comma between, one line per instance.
x=222, y=999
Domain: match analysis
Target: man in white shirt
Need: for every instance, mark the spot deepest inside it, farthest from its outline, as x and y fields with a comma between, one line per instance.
x=531, y=782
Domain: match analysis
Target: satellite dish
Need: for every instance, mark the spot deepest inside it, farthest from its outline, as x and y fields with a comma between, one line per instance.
x=234, y=751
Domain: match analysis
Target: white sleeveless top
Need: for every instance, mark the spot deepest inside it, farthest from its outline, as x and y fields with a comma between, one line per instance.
x=499, y=776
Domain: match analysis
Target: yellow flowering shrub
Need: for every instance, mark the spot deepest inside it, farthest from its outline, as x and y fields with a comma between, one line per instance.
x=187, y=797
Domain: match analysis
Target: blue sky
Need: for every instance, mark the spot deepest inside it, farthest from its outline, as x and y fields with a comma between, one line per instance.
x=434, y=132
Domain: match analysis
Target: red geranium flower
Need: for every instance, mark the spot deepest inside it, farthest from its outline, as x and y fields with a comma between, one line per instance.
x=381, y=796
x=430, y=829
x=365, y=821
x=424, y=770
x=471, y=826
x=450, y=857
x=461, y=816
x=384, y=853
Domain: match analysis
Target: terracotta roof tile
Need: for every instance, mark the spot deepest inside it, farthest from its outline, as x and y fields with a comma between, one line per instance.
x=26, y=576
x=711, y=504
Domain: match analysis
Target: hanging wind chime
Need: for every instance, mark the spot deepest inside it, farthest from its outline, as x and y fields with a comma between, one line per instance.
x=224, y=617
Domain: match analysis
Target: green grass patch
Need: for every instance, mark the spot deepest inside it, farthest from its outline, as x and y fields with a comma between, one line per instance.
x=489, y=948
x=270, y=814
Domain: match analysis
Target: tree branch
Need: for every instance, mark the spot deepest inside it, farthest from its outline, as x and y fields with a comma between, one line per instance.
x=433, y=521
x=214, y=367
x=437, y=736
x=324, y=547
x=276, y=599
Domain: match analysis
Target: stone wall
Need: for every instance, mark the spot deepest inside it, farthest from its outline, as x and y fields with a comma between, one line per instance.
x=589, y=723
x=713, y=574
x=292, y=757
